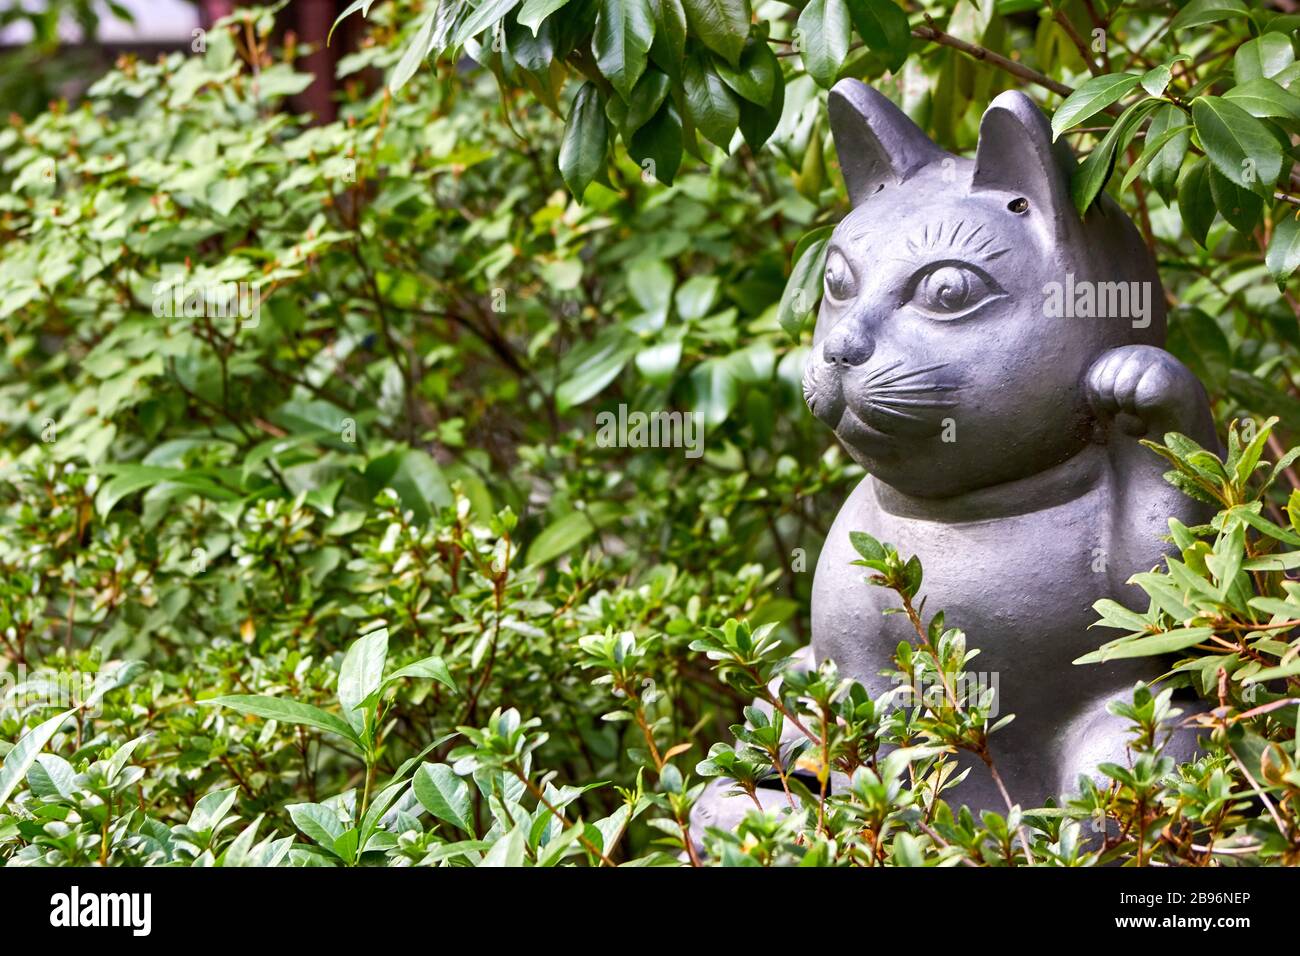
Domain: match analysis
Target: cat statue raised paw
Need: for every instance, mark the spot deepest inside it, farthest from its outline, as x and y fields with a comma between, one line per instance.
x=992, y=360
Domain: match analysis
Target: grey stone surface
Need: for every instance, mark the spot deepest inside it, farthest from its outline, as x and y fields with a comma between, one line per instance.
x=1000, y=437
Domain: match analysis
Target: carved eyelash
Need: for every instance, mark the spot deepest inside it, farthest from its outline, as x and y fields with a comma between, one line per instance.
x=973, y=241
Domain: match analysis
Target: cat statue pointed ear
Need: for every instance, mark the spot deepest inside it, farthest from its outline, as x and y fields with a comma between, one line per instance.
x=876, y=142
x=1016, y=155
x=998, y=432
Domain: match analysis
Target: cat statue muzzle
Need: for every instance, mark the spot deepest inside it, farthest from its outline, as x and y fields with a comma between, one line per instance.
x=991, y=359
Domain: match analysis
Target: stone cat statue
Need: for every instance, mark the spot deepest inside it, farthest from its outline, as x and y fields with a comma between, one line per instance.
x=991, y=360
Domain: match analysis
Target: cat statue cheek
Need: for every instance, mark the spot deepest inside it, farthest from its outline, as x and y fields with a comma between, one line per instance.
x=992, y=359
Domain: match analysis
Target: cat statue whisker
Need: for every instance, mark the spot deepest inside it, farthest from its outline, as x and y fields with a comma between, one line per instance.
x=1000, y=442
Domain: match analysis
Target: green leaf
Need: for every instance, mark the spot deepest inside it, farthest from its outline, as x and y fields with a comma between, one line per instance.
x=533, y=12
x=416, y=50
x=696, y=296
x=1239, y=145
x=361, y=674
x=560, y=537
x=1161, y=141
x=416, y=478
x=1152, y=646
x=621, y=43
x=20, y=758
x=319, y=823
x=594, y=365
x=484, y=15
x=714, y=390
x=586, y=140
x=721, y=25
x=659, y=362
x=1283, y=256
x=647, y=97
x=884, y=28
x=1263, y=57
x=1114, y=614
x=758, y=122
x=650, y=281
x=1156, y=79
x=225, y=194
x=1200, y=12
x=353, y=7
x=755, y=77
x=1264, y=98
x=287, y=712
x=657, y=146
x=1289, y=669
x=1091, y=98
x=825, y=31
x=128, y=479
x=1091, y=176
x=1197, y=339
x=1240, y=207
x=1195, y=204
x=668, y=50
x=445, y=795
x=867, y=546
x=713, y=108
x=803, y=290
x=428, y=668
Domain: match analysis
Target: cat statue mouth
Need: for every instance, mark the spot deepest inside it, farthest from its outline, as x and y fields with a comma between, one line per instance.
x=878, y=401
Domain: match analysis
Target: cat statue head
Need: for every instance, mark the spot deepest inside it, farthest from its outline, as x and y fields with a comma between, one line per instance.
x=965, y=299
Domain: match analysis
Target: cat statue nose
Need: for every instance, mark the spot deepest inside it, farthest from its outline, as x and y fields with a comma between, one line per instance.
x=847, y=345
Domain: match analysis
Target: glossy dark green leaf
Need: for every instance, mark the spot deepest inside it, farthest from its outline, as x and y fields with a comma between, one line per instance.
x=1200, y=12
x=1239, y=145
x=721, y=25
x=1091, y=98
x=883, y=26
x=1240, y=207
x=586, y=139
x=657, y=146
x=1264, y=57
x=1091, y=176
x=668, y=51
x=758, y=122
x=1195, y=204
x=804, y=289
x=712, y=106
x=647, y=96
x=755, y=77
x=1283, y=256
x=1163, y=150
x=1196, y=338
x=621, y=44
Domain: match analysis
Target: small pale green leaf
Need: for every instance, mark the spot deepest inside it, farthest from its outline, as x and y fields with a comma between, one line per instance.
x=445, y=795
x=24, y=753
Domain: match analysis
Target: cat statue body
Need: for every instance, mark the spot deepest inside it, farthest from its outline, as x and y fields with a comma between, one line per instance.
x=999, y=427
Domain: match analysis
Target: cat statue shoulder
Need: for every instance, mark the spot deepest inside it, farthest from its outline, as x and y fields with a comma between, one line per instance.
x=991, y=359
